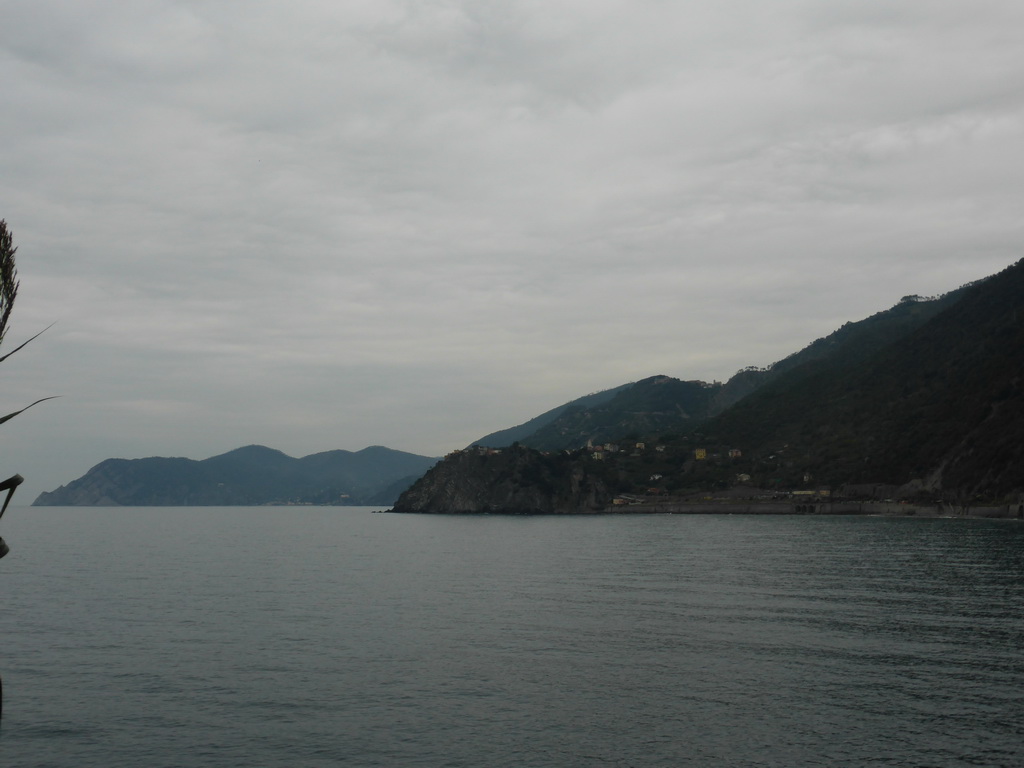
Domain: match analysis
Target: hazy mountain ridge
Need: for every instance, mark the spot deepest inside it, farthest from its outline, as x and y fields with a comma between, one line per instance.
x=249, y=475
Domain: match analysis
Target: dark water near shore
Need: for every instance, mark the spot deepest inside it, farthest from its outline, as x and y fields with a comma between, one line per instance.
x=332, y=636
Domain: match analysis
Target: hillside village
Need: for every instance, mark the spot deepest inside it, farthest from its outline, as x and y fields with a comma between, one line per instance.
x=639, y=472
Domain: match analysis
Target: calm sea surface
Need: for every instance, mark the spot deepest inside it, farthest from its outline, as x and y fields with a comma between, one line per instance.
x=332, y=636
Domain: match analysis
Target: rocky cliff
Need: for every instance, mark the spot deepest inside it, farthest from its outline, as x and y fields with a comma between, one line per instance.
x=514, y=480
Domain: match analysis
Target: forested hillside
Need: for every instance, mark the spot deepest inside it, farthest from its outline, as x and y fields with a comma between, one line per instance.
x=942, y=405
x=925, y=401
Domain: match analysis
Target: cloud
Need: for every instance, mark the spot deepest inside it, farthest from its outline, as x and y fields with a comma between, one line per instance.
x=329, y=225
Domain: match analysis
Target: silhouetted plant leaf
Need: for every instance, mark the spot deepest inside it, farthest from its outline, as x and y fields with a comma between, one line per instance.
x=25, y=343
x=10, y=416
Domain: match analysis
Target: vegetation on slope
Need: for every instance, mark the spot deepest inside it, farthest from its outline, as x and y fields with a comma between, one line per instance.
x=926, y=396
x=942, y=405
x=655, y=403
x=660, y=404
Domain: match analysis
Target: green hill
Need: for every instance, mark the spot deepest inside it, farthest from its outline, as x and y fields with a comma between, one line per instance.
x=657, y=403
x=506, y=437
x=662, y=404
x=941, y=406
x=924, y=400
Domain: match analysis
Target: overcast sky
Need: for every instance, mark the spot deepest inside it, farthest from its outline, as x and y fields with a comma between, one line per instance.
x=330, y=224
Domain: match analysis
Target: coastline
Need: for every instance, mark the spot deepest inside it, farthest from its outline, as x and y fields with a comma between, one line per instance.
x=679, y=507
x=870, y=508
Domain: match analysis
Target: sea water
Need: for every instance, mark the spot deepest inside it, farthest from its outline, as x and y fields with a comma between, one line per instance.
x=316, y=636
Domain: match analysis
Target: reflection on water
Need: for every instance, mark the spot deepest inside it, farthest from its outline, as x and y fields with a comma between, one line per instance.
x=318, y=636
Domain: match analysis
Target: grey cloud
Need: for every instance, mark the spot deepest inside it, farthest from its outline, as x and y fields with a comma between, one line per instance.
x=321, y=225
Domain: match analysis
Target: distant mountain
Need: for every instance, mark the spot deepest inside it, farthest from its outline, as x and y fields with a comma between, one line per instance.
x=251, y=475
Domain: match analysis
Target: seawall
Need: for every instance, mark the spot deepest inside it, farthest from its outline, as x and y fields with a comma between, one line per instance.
x=881, y=508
